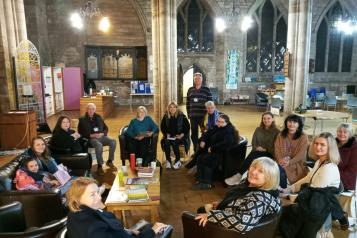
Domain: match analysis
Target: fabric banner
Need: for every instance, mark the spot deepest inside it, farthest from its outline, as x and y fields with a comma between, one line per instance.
x=232, y=69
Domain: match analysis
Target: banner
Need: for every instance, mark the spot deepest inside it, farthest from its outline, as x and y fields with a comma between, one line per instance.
x=232, y=68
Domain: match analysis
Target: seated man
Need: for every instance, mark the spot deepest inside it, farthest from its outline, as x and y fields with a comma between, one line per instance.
x=92, y=127
x=210, y=120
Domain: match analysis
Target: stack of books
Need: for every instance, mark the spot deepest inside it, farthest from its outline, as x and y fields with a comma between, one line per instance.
x=137, y=193
x=146, y=172
x=133, y=181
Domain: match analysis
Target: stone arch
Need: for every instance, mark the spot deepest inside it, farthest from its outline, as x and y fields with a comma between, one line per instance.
x=345, y=6
x=279, y=4
x=142, y=17
x=212, y=6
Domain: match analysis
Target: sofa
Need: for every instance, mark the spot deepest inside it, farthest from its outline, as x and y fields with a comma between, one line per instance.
x=39, y=207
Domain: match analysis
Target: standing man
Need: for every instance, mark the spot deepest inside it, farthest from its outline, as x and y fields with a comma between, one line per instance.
x=197, y=96
x=92, y=127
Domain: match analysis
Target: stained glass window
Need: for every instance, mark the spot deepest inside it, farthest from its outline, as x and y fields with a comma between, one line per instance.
x=321, y=47
x=195, y=32
x=268, y=56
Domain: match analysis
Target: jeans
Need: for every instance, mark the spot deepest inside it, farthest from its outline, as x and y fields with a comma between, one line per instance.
x=195, y=122
x=98, y=146
x=206, y=164
x=175, y=144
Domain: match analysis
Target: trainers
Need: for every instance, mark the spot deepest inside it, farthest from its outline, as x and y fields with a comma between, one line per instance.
x=177, y=165
x=234, y=180
x=100, y=171
x=168, y=165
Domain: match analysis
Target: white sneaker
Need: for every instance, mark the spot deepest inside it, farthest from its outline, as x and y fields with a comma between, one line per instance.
x=168, y=165
x=234, y=180
x=177, y=165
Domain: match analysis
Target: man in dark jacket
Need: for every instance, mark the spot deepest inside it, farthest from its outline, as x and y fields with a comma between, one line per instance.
x=197, y=96
x=92, y=127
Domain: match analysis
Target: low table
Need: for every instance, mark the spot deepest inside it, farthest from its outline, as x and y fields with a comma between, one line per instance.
x=153, y=189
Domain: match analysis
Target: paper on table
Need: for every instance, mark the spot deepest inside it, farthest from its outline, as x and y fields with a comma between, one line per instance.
x=116, y=195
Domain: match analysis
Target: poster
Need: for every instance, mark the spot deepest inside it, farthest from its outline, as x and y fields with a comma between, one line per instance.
x=232, y=67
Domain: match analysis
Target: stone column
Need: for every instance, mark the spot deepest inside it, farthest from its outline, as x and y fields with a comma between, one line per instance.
x=298, y=44
x=21, y=20
x=164, y=50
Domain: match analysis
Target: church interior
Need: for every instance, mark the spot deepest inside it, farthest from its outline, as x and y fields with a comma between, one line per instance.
x=57, y=58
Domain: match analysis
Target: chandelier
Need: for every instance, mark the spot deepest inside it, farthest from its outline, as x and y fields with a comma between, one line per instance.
x=89, y=9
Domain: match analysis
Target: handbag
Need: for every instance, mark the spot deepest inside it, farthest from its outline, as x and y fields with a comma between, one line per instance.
x=62, y=174
x=348, y=202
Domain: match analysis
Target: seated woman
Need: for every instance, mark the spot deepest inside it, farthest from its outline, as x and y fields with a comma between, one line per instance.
x=139, y=135
x=347, y=146
x=30, y=177
x=245, y=204
x=263, y=146
x=64, y=137
x=87, y=219
x=39, y=151
x=175, y=129
x=290, y=150
x=318, y=199
x=214, y=143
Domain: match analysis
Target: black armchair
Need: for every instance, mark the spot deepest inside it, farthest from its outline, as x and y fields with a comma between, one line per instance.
x=265, y=228
x=80, y=164
x=13, y=223
x=124, y=153
x=39, y=206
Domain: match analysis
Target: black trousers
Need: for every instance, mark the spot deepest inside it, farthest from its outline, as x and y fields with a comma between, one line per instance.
x=175, y=144
x=206, y=164
x=196, y=123
x=141, y=149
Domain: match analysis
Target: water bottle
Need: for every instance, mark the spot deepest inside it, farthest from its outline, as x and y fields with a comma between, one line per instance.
x=120, y=177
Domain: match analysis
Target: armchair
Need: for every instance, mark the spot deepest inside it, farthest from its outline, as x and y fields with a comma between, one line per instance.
x=124, y=153
x=13, y=223
x=266, y=228
x=79, y=163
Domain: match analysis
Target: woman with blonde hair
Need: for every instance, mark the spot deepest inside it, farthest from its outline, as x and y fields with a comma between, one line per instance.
x=139, y=134
x=87, y=219
x=245, y=204
x=175, y=129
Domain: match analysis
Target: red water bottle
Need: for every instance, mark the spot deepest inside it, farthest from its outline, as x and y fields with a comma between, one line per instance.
x=132, y=162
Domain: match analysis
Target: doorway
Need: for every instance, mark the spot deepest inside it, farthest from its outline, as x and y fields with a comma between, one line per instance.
x=187, y=80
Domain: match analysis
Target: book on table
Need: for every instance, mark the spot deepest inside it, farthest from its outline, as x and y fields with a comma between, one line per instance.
x=133, y=181
x=146, y=172
x=137, y=193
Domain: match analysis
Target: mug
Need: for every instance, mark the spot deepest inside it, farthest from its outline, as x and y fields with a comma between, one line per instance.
x=153, y=164
x=139, y=162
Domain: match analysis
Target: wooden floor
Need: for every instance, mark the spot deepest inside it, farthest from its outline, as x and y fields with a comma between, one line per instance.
x=176, y=193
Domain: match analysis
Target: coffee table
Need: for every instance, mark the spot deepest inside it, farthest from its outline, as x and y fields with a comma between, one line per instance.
x=119, y=207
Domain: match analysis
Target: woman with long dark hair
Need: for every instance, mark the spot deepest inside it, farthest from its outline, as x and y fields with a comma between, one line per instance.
x=64, y=137
x=263, y=145
x=290, y=150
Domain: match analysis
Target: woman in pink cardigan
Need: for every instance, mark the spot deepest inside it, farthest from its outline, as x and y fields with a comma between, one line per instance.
x=290, y=150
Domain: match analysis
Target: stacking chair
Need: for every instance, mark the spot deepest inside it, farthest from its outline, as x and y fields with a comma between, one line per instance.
x=330, y=101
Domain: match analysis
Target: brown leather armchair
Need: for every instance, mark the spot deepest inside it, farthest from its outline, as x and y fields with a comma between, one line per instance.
x=266, y=228
x=39, y=207
x=124, y=153
x=14, y=224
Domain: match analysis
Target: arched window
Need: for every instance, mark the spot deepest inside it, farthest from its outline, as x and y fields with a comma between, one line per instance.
x=333, y=48
x=266, y=40
x=195, y=32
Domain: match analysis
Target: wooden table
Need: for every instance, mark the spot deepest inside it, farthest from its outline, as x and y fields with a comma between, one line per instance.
x=152, y=204
x=104, y=104
x=322, y=115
